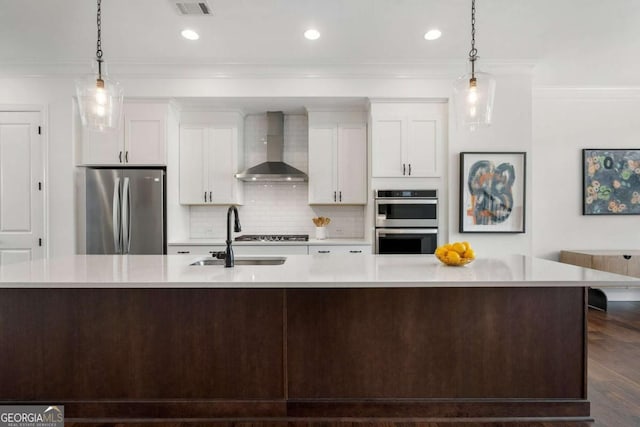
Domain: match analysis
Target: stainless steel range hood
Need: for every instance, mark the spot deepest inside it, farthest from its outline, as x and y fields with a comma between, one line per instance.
x=274, y=169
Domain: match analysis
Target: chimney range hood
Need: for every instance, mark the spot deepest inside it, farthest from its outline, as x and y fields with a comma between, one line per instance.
x=274, y=169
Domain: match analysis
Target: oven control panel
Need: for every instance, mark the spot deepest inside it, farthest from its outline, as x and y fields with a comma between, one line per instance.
x=401, y=194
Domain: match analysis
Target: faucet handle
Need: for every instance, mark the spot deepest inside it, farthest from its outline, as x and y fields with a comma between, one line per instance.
x=218, y=255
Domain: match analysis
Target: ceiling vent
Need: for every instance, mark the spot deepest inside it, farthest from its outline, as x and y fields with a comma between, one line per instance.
x=193, y=8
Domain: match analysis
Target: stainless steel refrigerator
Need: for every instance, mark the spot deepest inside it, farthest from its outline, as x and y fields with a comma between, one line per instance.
x=124, y=211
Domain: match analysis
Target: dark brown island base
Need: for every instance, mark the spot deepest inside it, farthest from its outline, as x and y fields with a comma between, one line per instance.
x=334, y=356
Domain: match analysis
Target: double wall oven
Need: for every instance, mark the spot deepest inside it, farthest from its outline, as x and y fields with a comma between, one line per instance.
x=406, y=221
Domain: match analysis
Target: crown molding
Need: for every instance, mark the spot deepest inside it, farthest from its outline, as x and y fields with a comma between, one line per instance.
x=591, y=92
x=229, y=70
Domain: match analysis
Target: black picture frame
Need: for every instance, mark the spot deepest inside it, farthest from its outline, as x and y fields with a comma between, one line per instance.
x=610, y=181
x=493, y=192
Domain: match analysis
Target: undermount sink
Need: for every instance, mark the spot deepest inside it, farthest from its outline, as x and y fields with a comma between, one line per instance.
x=273, y=260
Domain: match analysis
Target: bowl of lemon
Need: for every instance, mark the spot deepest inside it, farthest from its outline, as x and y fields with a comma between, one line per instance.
x=456, y=254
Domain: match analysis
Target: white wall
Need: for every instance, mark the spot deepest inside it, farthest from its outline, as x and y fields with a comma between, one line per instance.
x=565, y=122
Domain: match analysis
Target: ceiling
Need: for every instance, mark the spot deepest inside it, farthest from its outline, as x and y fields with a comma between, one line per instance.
x=570, y=42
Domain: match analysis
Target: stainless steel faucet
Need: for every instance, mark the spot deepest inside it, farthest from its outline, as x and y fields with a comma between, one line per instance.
x=228, y=259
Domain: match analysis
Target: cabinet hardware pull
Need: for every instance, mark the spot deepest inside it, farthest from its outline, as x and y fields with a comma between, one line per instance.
x=324, y=252
x=355, y=252
x=340, y=192
x=409, y=169
x=210, y=197
x=120, y=156
x=184, y=252
x=334, y=196
x=205, y=197
x=404, y=169
x=126, y=156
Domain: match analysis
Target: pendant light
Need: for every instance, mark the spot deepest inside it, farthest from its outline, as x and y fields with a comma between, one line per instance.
x=99, y=99
x=473, y=93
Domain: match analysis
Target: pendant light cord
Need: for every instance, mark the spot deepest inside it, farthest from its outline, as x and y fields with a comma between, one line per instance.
x=473, y=53
x=99, y=43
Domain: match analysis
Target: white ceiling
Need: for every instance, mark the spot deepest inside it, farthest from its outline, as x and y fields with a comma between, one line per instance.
x=571, y=42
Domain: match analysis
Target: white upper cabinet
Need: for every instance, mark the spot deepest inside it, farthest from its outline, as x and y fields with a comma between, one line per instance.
x=407, y=140
x=141, y=140
x=337, y=158
x=209, y=160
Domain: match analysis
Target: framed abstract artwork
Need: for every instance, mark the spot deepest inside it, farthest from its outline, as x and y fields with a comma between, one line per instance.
x=611, y=182
x=492, y=192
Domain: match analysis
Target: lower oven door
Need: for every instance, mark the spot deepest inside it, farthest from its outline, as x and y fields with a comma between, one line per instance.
x=406, y=240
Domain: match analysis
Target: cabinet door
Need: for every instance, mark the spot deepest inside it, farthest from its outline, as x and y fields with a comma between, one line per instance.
x=322, y=165
x=193, y=161
x=145, y=134
x=352, y=164
x=222, y=164
x=388, y=134
x=102, y=148
x=422, y=147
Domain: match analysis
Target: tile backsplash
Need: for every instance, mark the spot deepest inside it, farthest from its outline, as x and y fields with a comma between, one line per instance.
x=277, y=207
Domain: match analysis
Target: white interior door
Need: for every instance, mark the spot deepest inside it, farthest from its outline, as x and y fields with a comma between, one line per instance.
x=21, y=197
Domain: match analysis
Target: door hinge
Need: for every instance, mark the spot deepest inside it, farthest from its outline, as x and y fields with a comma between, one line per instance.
x=40, y=241
x=39, y=130
x=39, y=186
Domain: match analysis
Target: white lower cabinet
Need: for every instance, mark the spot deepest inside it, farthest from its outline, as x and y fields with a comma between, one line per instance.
x=340, y=249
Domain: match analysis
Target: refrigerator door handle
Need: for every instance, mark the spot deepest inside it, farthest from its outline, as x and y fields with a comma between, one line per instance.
x=126, y=217
x=116, y=217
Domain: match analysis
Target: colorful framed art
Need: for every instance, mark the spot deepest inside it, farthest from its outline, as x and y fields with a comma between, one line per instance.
x=492, y=192
x=611, y=181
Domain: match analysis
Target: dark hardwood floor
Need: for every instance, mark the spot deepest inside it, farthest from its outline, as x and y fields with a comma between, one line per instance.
x=614, y=365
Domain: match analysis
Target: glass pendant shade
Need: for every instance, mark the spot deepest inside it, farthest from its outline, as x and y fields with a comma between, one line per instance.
x=473, y=100
x=99, y=102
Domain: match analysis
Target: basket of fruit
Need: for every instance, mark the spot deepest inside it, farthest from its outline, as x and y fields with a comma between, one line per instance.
x=455, y=254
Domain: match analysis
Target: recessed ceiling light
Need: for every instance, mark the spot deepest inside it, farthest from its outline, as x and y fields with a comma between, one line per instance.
x=190, y=35
x=432, y=34
x=312, y=34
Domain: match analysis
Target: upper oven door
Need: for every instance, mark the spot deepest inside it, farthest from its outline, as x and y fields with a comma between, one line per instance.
x=406, y=212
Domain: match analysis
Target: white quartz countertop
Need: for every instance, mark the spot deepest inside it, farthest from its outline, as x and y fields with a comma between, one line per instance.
x=310, y=242
x=301, y=271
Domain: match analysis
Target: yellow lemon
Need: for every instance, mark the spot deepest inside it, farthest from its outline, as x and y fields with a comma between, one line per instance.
x=467, y=245
x=459, y=247
x=453, y=257
x=469, y=253
x=441, y=251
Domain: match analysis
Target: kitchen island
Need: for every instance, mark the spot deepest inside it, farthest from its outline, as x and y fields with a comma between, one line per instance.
x=323, y=339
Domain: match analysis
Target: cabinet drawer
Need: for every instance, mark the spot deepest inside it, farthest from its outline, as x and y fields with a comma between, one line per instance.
x=270, y=250
x=190, y=250
x=340, y=249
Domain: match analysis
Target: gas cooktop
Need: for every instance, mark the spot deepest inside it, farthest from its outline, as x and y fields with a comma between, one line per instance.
x=272, y=238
